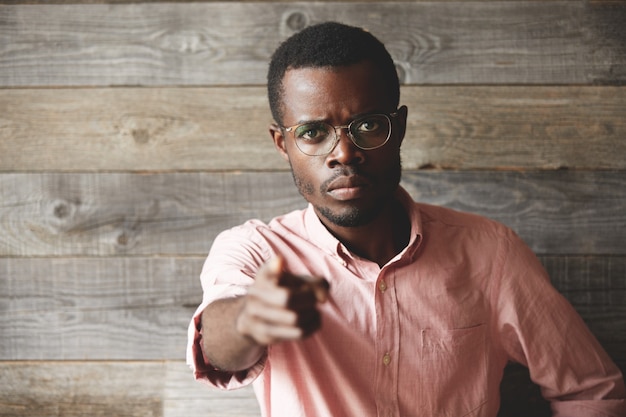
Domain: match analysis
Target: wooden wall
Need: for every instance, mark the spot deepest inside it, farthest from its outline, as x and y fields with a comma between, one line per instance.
x=132, y=132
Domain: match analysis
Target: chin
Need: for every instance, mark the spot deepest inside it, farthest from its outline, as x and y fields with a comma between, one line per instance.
x=352, y=216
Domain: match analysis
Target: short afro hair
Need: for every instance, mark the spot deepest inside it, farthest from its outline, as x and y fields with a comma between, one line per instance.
x=328, y=44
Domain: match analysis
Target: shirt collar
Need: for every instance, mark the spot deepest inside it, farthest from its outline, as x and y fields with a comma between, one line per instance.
x=321, y=237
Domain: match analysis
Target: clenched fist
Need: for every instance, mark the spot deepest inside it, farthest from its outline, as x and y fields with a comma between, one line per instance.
x=281, y=306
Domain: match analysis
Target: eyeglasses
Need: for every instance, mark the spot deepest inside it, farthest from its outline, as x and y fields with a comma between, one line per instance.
x=320, y=138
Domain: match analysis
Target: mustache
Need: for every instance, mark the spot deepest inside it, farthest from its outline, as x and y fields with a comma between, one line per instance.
x=345, y=171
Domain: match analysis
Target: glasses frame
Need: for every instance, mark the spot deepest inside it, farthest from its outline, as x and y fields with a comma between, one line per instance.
x=335, y=141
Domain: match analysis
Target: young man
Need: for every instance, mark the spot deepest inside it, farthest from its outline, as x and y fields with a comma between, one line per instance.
x=367, y=303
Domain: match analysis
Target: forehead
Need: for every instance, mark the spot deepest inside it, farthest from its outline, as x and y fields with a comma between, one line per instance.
x=326, y=92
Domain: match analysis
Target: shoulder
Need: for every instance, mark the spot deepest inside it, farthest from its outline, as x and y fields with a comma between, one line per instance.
x=242, y=249
x=438, y=216
x=446, y=230
x=258, y=235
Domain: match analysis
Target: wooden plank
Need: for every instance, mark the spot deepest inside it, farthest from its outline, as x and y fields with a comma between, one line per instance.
x=164, y=389
x=511, y=42
x=136, y=129
x=97, y=308
x=155, y=389
x=121, y=389
x=108, y=214
x=60, y=214
x=558, y=212
x=67, y=389
x=597, y=289
x=459, y=127
x=138, y=308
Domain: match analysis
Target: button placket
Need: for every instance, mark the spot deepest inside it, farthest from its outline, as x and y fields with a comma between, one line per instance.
x=387, y=344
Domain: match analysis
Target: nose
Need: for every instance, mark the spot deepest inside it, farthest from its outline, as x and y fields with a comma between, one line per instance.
x=345, y=151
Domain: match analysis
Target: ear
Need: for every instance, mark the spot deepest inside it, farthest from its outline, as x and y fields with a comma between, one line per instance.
x=279, y=140
x=400, y=124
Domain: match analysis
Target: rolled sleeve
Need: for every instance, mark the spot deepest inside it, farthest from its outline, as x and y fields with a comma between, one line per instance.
x=227, y=272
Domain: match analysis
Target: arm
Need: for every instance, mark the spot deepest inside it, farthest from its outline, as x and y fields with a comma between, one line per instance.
x=278, y=307
x=540, y=329
x=228, y=350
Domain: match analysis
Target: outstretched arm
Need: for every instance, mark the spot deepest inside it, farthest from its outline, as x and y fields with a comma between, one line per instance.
x=278, y=307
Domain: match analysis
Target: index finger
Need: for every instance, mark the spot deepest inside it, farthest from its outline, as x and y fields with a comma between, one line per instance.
x=318, y=285
x=274, y=269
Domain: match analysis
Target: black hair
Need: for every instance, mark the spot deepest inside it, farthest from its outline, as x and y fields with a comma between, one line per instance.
x=328, y=44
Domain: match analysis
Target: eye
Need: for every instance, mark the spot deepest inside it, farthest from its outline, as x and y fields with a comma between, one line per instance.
x=311, y=132
x=369, y=125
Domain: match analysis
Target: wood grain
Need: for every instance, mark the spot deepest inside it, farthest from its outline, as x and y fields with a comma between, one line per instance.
x=556, y=212
x=125, y=127
x=138, y=308
x=221, y=128
x=163, y=389
x=97, y=308
x=105, y=214
x=596, y=287
x=511, y=42
x=120, y=389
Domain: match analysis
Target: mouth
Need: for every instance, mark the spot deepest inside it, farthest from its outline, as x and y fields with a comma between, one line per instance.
x=348, y=187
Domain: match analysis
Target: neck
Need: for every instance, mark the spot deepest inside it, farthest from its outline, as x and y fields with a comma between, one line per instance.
x=381, y=239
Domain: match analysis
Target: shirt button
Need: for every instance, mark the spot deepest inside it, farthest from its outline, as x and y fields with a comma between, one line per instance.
x=382, y=286
x=386, y=359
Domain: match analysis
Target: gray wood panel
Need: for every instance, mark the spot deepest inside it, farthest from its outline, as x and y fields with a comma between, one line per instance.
x=97, y=308
x=164, y=389
x=221, y=128
x=110, y=198
x=138, y=308
x=511, y=42
x=555, y=212
x=57, y=214
x=114, y=389
x=596, y=287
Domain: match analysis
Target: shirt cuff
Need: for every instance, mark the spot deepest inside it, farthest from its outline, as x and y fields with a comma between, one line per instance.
x=202, y=369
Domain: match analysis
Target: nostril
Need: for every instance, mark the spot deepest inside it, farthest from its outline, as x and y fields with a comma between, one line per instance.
x=345, y=152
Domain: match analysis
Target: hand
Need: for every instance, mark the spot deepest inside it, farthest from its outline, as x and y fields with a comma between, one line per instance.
x=281, y=306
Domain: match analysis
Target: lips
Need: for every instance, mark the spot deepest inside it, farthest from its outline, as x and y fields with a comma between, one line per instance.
x=348, y=187
x=351, y=181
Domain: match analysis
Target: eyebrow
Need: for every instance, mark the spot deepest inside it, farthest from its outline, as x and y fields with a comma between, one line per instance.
x=352, y=118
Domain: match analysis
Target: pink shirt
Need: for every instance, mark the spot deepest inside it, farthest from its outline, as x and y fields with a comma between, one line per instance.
x=429, y=334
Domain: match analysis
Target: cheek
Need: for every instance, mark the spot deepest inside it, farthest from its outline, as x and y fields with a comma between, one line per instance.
x=305, y=187
x=303, y=172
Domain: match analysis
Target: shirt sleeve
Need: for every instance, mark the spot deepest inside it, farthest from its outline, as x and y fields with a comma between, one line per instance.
x=541, y=330
x=229, y=269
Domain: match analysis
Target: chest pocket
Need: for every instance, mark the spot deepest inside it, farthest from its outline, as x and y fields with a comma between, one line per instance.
x=455, y=361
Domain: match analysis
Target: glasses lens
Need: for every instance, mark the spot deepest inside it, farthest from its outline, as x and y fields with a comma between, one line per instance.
x=314, y=138
x=371, y=131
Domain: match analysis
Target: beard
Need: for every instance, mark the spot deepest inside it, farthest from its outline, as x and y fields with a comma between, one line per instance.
x=353, y=215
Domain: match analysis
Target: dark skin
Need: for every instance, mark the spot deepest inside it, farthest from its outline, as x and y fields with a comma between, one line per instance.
x=353, y=194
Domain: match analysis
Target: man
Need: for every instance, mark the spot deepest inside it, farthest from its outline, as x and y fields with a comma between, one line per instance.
x=367, y=303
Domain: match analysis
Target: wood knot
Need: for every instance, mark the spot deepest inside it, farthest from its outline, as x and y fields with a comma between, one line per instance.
x=296, y=21
x=140, y=136
x=61, y=210
x=122, y=239
x=61, y=215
